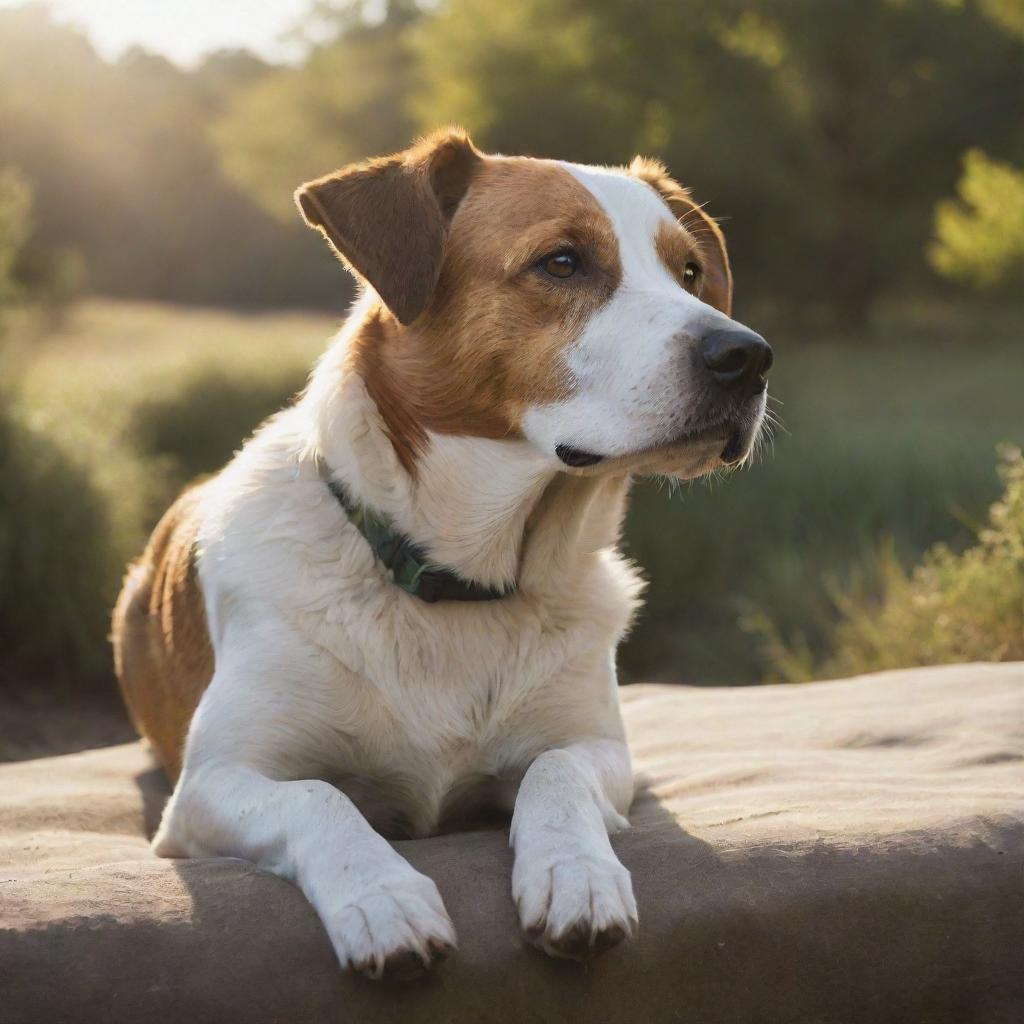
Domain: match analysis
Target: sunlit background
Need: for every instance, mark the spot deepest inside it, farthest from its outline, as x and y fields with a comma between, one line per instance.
x=159, y=296
x=188, y=31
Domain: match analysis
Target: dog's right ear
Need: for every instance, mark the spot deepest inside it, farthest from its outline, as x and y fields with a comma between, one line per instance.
x=388, y=218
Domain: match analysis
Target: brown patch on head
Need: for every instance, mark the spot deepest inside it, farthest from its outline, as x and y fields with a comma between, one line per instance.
x=490, y=339
x=700, y=238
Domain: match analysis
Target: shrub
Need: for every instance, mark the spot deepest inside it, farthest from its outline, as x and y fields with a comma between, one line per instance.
x=62, y=547
x=951, y=608
x=196, y=428
x=15, y=204
x=980, y=236
x=57, y=565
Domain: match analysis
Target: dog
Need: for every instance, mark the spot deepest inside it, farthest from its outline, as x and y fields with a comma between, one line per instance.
x=398, y=606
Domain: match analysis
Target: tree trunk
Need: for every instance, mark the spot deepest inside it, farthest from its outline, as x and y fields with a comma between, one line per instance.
x=842, y=122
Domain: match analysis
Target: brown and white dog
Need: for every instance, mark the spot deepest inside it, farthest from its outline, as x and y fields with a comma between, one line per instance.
x=530, y=335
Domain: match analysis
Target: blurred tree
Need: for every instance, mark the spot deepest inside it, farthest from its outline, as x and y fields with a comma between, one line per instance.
x=123, y=170
x=345, y=103
x=980, y=238
x=48, y=281
x=888, y=92
x=823, y=131
x=611, y=78
x=1008, y=13
x=222, y=73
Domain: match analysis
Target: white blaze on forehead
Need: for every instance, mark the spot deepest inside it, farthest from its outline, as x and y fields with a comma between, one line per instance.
x=629, y=367
x=636, y=212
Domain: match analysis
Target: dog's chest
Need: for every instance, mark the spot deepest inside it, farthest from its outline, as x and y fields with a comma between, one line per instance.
x=422, y=713
x=417, y=769
x=438, y=798
x=439, y=727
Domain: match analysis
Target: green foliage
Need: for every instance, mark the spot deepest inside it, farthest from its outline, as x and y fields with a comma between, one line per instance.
x=196, y=428
x=951, y=608
x=346, y=103
x=48, y=281
x=15, y=205
x=980, y=238
x=123, y=171
x=91, y=456
x=824, y=134
x=1007, y=13
x=57, y=562
x=884, y=442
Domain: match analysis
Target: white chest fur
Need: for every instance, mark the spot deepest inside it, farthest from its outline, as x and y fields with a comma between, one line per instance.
x=414, y=709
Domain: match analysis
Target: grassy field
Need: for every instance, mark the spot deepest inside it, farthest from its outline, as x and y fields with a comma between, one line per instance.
x=102, y=418
x=889, y=444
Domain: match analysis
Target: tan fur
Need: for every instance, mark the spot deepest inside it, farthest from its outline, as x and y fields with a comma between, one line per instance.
x=716, y=283
x=162, y=652
x=493, y=315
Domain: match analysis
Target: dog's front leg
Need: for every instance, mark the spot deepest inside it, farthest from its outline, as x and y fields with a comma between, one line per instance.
x=574, y=897
x=383, y=917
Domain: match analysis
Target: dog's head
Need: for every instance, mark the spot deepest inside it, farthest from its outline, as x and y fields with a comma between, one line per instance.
x=583, y=308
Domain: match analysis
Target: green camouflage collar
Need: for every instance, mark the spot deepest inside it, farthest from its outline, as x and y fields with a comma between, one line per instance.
x=408, y=562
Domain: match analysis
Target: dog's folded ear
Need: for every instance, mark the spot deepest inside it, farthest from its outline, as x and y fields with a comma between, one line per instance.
x=718, y=275
x=388, y=218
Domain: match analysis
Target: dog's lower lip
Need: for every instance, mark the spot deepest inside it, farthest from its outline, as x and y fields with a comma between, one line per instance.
x=708, y=433
x=577, y=458
x=734, y=448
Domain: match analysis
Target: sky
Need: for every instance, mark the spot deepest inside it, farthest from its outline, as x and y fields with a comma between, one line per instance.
x=184, y=30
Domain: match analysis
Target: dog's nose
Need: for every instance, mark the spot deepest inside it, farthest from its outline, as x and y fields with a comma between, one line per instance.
x=738, y=359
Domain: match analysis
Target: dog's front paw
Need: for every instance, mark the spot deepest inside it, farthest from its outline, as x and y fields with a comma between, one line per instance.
x=574, y=906
x=394, y=930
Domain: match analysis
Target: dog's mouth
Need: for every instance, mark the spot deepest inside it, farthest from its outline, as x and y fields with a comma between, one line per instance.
x=727, y=442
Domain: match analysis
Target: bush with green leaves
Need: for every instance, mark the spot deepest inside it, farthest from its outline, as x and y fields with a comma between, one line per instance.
x=951, y=608
x=58, y=564
x=195, y=429
x=980, y=236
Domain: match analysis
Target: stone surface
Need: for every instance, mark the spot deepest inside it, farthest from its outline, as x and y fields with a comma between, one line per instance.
x=849, y=851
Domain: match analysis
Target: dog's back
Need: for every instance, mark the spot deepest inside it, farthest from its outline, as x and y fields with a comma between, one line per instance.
x=162, y=651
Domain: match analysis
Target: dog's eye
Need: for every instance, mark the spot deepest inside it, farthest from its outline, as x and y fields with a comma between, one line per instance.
x=561, y=264
x=691, y=275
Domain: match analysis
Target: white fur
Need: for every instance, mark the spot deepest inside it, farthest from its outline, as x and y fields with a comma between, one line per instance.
x=325, y=670
x=340, y=703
